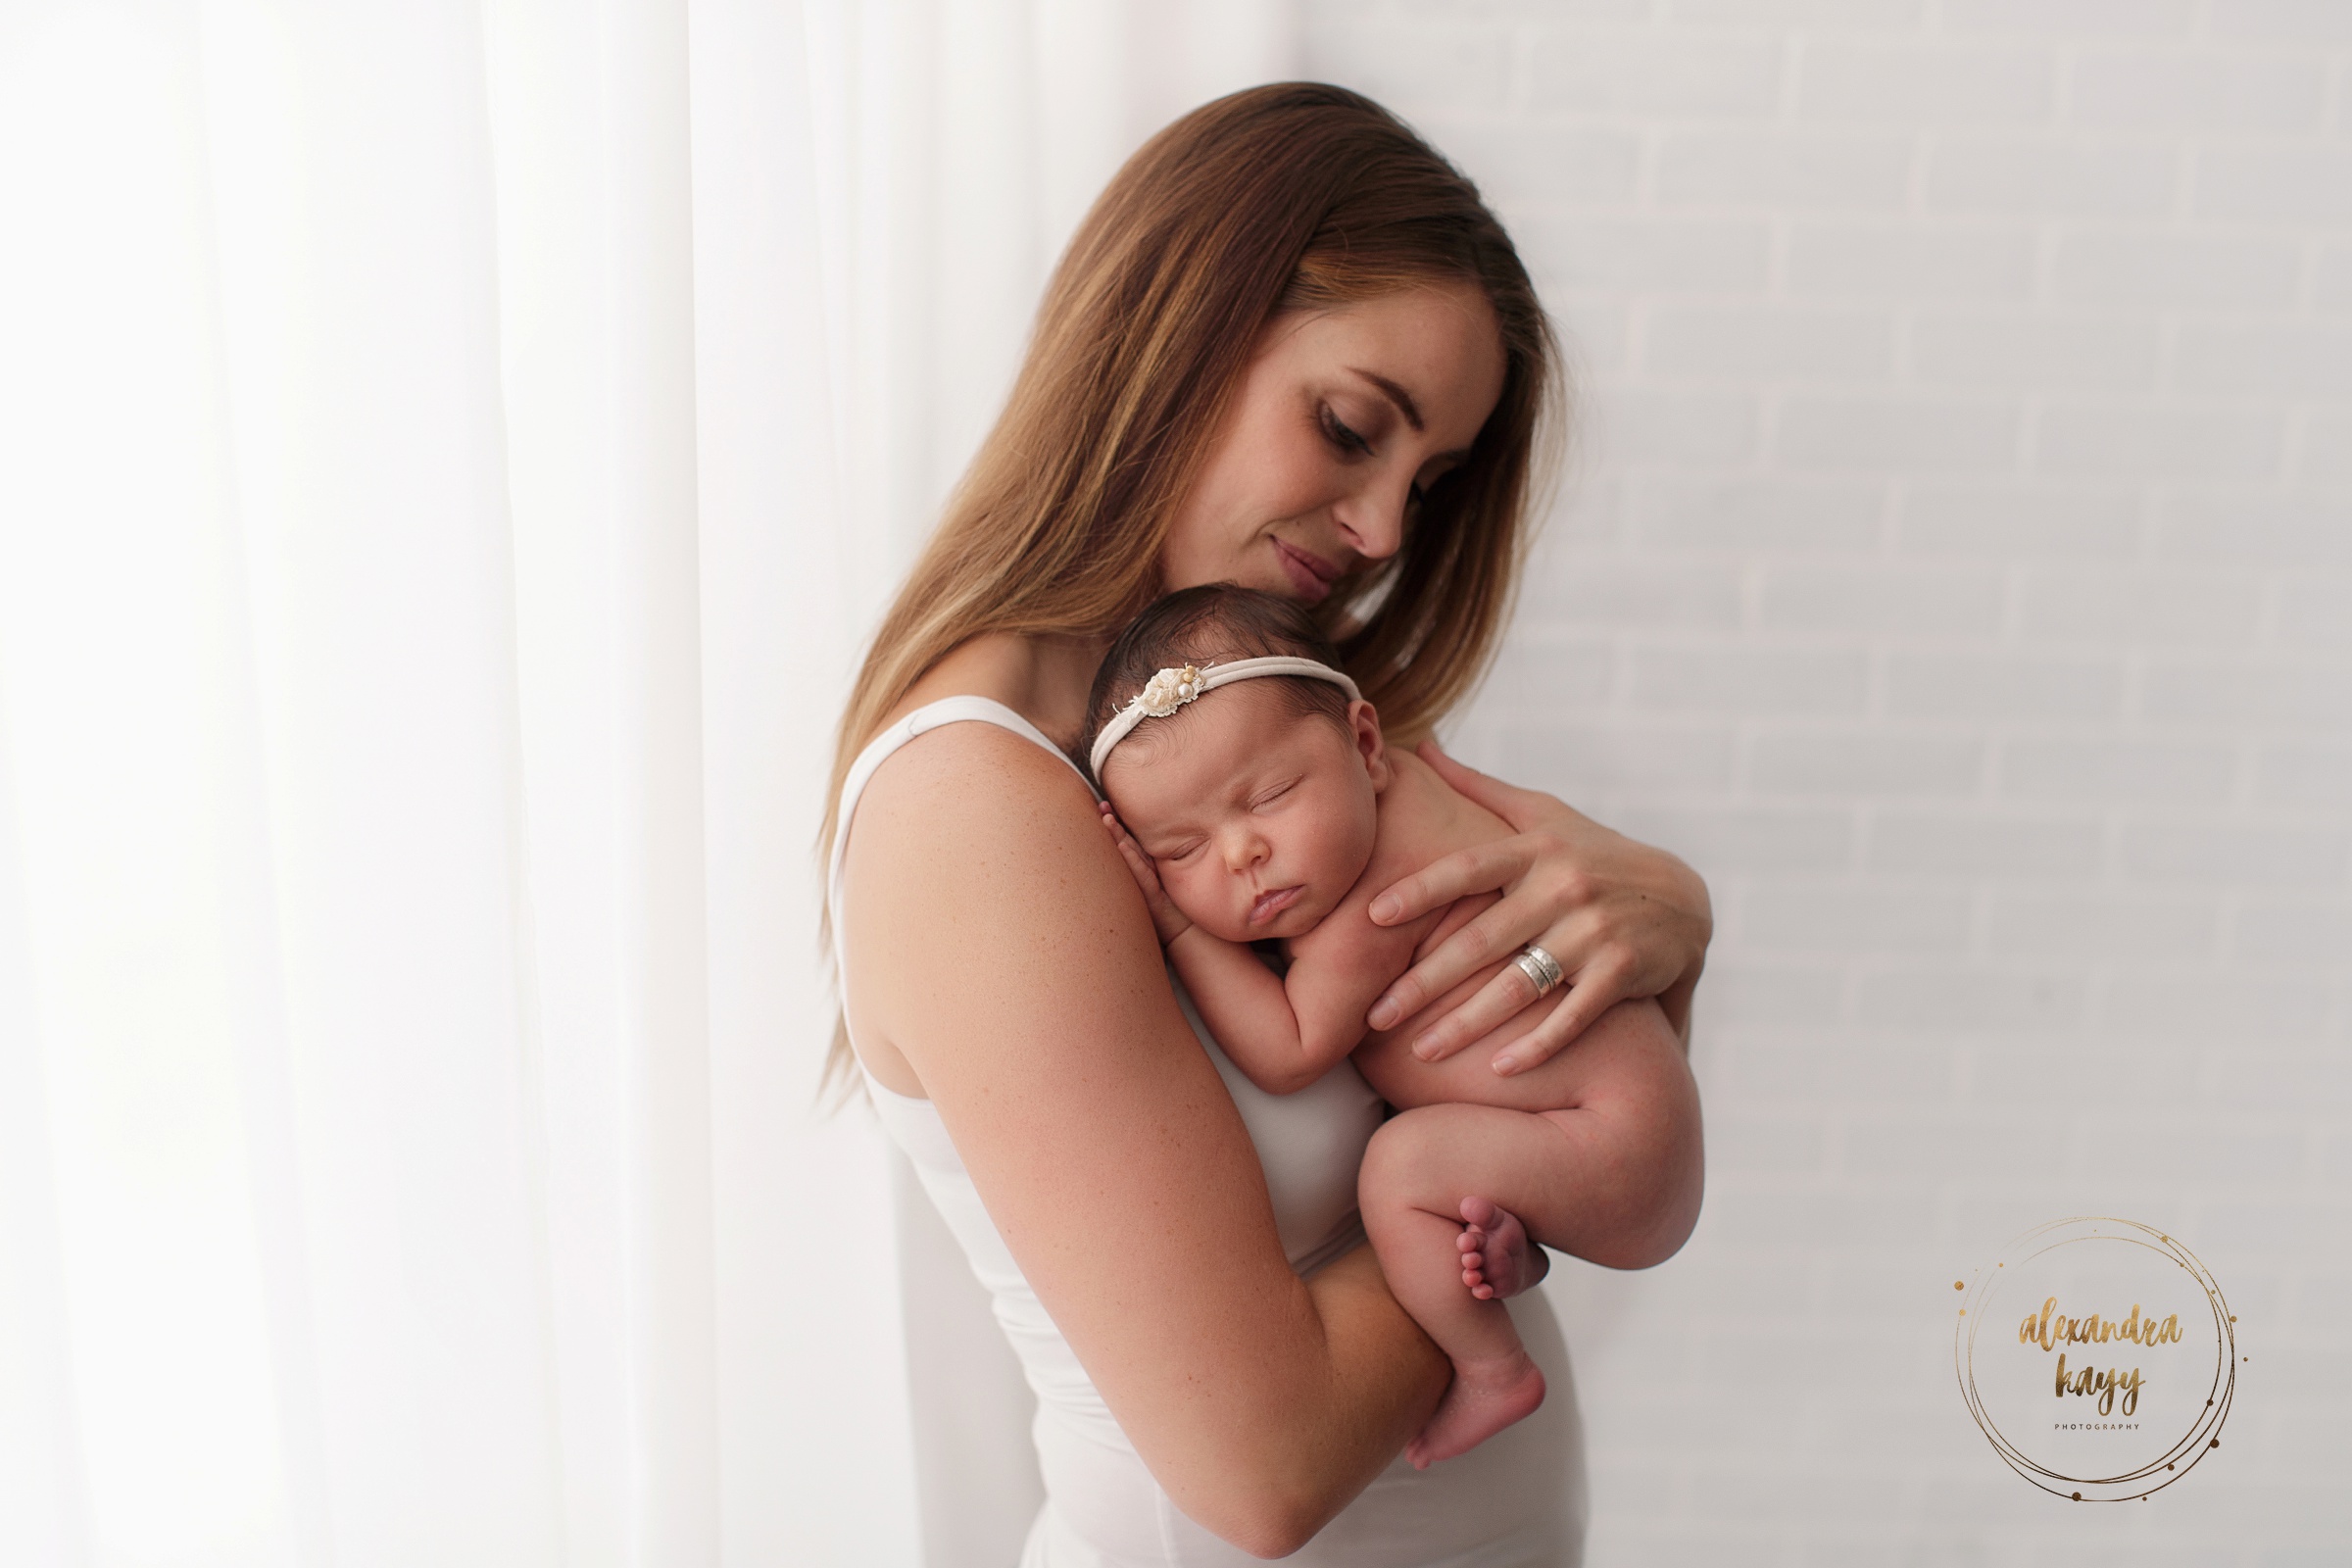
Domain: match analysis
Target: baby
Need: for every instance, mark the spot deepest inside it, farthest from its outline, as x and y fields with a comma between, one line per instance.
x=1261, y=814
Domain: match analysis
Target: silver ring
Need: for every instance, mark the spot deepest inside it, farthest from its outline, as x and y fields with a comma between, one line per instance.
x=1542, y=968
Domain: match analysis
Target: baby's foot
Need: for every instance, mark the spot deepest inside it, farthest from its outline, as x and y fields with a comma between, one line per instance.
x=1484, y=1398
x=1498, y=1259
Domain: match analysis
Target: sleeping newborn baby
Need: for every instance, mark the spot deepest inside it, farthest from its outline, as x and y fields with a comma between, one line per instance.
x=1250, y=790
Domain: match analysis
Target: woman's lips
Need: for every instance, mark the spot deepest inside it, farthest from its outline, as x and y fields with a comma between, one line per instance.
x=1310, y=576
x=1270, y=904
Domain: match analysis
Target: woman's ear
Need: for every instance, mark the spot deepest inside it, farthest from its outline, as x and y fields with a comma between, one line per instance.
x=1363, y=727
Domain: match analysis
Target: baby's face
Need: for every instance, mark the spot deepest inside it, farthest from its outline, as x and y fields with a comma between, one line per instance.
x=1258, y=818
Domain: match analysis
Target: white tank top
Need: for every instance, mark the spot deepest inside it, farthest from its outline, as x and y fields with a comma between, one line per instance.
x=1515, y=1501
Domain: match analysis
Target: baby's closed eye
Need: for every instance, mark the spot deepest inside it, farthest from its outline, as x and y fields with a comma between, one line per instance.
x=1259, y=802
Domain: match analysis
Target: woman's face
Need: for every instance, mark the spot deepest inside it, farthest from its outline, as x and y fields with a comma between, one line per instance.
x=1342, y=420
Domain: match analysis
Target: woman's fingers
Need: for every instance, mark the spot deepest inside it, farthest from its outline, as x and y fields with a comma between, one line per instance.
x=1590, y=995
x=1496, y=933
x=1622, y=918
x=1497, y=1002
x=1481, y=868
x=1593, y=993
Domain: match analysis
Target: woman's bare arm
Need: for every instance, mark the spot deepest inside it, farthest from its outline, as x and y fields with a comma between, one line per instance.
x=1001, y=948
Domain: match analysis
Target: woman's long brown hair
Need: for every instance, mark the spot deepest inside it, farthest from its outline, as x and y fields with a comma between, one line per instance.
x=1297, y=196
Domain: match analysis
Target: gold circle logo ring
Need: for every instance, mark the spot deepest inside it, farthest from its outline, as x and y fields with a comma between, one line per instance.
x=2005, y=1427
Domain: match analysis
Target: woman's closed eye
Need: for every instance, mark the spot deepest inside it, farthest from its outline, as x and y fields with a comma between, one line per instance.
x=1344, y=436
x=1355, y=444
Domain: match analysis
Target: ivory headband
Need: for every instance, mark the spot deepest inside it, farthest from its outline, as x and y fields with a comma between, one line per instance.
x=1171, y=689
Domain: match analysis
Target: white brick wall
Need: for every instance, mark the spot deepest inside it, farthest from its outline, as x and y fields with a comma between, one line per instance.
x=1958, y=569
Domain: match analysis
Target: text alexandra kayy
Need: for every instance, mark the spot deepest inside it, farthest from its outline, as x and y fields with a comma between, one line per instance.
x=2049, y=1329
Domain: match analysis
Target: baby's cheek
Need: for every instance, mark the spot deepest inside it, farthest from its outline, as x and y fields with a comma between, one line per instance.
x=1343, y=853
x=1200, y=904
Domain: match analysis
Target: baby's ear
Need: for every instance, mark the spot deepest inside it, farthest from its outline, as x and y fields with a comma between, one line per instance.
x=1363, y=726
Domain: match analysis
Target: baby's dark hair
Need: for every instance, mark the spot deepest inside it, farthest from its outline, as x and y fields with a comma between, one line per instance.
x=1214, y=625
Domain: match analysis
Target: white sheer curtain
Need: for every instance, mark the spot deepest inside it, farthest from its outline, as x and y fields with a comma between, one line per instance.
x=449, y=452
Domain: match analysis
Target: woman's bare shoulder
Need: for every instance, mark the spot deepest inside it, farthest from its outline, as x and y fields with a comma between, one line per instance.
x=987, y=908
x=973, y=824
x=970, y=772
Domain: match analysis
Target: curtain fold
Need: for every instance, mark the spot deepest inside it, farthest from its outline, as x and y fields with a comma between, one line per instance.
x=450, y=453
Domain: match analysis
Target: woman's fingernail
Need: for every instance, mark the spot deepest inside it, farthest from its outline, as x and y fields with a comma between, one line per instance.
x=1426, y=1048
x=1507, y=1065
x=1382, y=1014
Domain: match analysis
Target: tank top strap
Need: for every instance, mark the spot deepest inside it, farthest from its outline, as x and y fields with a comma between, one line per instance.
x=924, y=720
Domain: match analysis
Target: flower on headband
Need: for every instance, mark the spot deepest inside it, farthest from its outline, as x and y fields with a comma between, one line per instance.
x=1169, y=690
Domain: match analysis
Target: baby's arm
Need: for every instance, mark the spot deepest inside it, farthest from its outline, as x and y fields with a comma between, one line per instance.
x=1338, y=969
x=1246, y=1007
x=1256, y=1015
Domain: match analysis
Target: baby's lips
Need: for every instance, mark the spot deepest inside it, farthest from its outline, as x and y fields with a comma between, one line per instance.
x=1266, y=905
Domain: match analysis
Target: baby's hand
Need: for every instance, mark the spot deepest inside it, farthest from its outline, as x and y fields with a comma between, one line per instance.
x=1167, y=920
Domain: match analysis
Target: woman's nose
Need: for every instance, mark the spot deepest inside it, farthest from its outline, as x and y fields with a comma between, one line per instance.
x=1373, y=519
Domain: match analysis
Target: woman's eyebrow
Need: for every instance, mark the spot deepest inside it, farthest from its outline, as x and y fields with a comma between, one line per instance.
x=1397, y=395
x=1406, y=407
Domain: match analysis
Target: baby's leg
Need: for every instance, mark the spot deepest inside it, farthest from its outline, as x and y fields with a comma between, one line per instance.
x=1423, y=1168
x=1629, y=1161
x=1451, y=1191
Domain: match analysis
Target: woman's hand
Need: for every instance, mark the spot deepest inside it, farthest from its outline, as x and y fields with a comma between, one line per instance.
x=1624, y=920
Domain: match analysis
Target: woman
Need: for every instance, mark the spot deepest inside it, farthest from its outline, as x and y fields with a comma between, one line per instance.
x=1289, y=348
